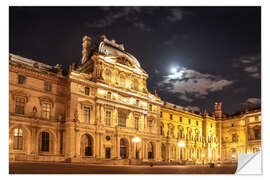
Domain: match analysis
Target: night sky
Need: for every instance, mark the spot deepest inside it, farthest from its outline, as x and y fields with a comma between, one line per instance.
x=194, y=55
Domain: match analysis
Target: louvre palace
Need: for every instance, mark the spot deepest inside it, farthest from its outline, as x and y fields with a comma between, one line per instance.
x=100, y=111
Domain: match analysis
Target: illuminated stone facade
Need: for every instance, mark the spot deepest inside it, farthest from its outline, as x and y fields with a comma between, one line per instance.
x=94, y=112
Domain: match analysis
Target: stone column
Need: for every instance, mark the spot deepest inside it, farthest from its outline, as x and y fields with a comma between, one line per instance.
x=34, y=141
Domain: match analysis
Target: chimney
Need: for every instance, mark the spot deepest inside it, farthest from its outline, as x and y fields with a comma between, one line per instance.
x=86, y=45
x=218, y=110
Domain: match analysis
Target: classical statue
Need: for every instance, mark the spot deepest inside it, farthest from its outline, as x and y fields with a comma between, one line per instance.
x=76, y=116
x=34, y=111
x=99, y=70
x=86, y=45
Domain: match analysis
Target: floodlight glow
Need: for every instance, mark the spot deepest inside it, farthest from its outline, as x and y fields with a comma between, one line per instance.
x=181, y=144
x=136, y=140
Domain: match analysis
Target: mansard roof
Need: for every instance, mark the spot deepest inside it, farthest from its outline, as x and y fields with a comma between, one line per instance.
x=108, y=47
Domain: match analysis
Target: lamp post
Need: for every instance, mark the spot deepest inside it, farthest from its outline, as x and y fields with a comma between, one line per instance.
x=181, y=144
x=203, y=158
x=233, y=157
x=136, y=140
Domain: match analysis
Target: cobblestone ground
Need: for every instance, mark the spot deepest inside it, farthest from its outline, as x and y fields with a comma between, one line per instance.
x=67, y=168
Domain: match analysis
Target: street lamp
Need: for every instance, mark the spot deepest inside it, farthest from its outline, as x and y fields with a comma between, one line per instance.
x=136, y=140
x=203, y=158
x=181, y=144
x=233, y=157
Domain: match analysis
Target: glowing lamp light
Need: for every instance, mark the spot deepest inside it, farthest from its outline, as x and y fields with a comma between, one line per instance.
x=233, y=156
x=203, y=155
x=136, y=140
x=181, y=144
x=193, y=155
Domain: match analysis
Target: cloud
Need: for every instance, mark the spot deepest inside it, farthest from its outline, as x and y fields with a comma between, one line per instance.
x=255, y=101
x=251, y=69
x=142, y=26
x=113, y=14
x=175, y=14
x=250, y=64
x=194, y=108
x=190, y=84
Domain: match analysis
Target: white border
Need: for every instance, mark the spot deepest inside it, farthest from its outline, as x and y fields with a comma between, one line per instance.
x=4, y=74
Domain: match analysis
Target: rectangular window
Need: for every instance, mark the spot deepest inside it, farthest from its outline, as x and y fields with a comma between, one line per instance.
x=21, y=79
x=137, y=123
x=86, y=91
x=137, y=102
x=150, y=125
x=108, y=118
x=234, y=137
x=161, y=114
x=19, y=107
x=171, y=116
x=46, y=110
x=121, y=119
x=86, y=114
x=47, y=86
x=180, y=119
x=150, y=107
x=197, y=123
x=189, y=121
x=256, y=118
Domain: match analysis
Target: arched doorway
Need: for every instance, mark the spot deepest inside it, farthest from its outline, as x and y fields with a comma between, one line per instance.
x=123, y=148
x=150, y=151
x=86, y=145
x=163, y=152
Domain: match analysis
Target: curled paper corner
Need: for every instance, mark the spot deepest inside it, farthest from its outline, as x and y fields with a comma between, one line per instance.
x=249, y=163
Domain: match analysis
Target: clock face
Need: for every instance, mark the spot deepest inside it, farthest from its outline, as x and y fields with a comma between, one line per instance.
x=108, y=138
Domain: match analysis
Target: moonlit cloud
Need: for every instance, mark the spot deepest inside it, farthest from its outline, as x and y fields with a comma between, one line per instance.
x=175, y=14
x=190, y=84
x=194, y=108
x=113, y=14
x=255, y=101
x=250, y=64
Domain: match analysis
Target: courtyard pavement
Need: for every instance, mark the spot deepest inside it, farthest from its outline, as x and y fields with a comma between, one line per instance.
x=68, y=168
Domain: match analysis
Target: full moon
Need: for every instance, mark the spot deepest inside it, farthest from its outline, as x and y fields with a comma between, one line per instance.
x=173, y=70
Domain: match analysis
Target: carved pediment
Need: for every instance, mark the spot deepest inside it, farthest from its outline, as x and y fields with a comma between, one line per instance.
x=123, y=60
x=20, y=93
x=46, y=99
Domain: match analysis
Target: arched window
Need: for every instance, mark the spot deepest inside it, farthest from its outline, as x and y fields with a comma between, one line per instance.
x=18, y=139
x=108, y=75
x=122, y=81
x=45, y=142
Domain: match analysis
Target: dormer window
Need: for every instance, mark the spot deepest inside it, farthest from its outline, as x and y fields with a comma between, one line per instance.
x=47, y=86
x=86, y=91
x=150, y=107
x=109, y=95
x=21, y=79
